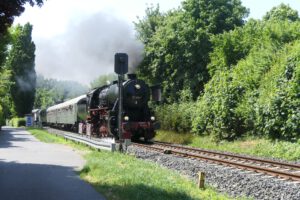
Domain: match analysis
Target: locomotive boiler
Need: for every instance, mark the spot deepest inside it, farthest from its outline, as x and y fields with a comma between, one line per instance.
x=137, y=118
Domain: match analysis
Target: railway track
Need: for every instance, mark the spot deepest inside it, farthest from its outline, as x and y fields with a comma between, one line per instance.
x=287, y=171
x=277, y=169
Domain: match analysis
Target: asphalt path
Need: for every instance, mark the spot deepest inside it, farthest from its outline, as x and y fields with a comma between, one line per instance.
x=33, y=170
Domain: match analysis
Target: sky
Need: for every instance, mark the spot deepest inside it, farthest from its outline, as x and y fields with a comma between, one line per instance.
x=77, y=39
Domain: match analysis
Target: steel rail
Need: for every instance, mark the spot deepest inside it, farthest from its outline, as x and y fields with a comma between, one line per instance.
x=276, y=173
x=264, y=161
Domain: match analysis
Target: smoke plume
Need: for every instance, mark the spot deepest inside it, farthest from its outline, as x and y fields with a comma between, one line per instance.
x=26, y=82
x=87, y=49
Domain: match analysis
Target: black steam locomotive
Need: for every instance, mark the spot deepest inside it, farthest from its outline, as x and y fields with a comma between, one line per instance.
x=96, y=113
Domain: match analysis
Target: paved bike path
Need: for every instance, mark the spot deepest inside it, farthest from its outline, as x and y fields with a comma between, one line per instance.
x=33, y=170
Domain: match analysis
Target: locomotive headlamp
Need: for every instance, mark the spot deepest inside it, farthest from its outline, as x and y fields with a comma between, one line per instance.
x=126, y=118
x=152, y=118
x=137, y=86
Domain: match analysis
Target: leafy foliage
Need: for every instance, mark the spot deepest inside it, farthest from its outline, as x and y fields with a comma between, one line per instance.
x=21, y=63
x=254, y=75
x=230, y=47
x=176, y=116
x=147, y=26
x=282, y=12
x=5, y=78
x=278, y=112
x=177, y=44
x=254, y=95
x=12, y=8
x=10, y=44
x=2, y=120
x=4, y=42
x=5, y=99
x=214, y=15
x=17, y=122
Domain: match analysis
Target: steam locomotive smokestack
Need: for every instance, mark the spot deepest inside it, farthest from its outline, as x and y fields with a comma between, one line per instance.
x=132, y=76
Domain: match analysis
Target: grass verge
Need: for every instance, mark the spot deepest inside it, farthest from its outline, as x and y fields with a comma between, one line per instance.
x=118, y=176
x=44, y=136
x=250, y=146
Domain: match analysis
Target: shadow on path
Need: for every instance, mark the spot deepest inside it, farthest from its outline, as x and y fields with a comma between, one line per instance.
x=10, y=135
x=22, y=181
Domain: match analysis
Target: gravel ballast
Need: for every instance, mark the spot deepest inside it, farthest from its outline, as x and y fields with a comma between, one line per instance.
x=228, y=180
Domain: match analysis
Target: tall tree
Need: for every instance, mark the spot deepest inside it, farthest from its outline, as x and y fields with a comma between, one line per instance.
x=21, y=62
x=4, y=41
x=5, y=99
x=5, y=77
x=282, y=12
x=9, y=9
x=177, y=50
x=147, y=26
x=216, y=16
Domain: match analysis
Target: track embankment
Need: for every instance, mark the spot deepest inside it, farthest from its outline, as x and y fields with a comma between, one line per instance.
x=230, y=173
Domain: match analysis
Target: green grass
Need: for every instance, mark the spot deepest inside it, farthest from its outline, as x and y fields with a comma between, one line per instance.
x=250, y=146
x=172, y=137
x=118, y=176
x=44, y=136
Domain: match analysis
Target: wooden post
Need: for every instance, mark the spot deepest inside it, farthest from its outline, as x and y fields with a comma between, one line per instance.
x=201, y=180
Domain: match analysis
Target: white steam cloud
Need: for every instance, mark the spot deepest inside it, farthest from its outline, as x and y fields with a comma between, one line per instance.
x=87, y=49
x=26, y=82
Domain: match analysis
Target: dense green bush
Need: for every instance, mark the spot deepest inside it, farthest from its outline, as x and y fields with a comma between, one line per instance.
x=260, y=93
x=278, y=107
x=177, y=43
x=225, y=107
x=254, y=88
x=176, y=116
x=231, y=47
x=17, y=122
